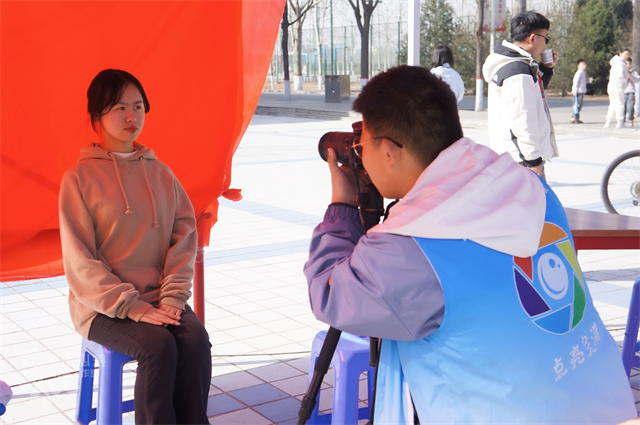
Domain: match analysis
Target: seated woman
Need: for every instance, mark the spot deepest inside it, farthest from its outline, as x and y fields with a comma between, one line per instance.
x=129, y=241
x=442, y=66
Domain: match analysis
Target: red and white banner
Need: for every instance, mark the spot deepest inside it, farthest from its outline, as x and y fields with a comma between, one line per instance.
x=499, y=23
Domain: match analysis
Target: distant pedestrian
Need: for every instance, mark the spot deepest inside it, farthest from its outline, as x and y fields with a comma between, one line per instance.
x=519, y=119
x=630, y=93
x=578, y=90
x=442, y=66
x=618, y=79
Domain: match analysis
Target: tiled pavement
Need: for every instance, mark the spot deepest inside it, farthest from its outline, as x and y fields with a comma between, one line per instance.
x=257, y=311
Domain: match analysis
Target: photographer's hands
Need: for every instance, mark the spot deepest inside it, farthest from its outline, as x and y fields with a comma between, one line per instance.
x=343, y=187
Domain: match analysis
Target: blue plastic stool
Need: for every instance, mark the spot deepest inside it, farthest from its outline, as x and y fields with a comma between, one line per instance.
x=350, y=359
x=631, y=345
x=110, y=405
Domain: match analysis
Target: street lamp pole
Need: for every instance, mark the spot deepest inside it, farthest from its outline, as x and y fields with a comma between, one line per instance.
x=413, y=56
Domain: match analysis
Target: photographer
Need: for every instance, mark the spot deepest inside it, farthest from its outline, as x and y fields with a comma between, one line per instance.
x=439, y=281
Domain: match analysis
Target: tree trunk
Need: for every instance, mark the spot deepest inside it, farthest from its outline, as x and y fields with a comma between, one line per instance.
x=364, y=49
x=320, y=67
x=519, y=6
x=297, y=46
x=479, y=80
x=297, y=55
x=320, y=60
x=368, y=6
x=285, y=51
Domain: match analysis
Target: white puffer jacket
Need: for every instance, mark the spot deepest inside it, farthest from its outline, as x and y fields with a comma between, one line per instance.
x=519, y=119
x=618, y=75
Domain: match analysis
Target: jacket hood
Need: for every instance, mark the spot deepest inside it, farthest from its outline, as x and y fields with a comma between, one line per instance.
x=471, y=192
x=616, y=59
x=94, y=151
x=503, y=54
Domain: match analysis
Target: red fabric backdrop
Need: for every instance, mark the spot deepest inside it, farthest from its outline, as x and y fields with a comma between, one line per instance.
x=202, y=65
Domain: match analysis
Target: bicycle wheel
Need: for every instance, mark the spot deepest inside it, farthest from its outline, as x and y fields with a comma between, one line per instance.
x=620, y=187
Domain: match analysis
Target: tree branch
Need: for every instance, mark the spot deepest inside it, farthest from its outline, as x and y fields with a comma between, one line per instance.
x=356, y=10
x=304, y=10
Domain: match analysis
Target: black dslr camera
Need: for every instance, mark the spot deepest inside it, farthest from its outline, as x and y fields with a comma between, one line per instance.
x=370, y=202
x=341, y=142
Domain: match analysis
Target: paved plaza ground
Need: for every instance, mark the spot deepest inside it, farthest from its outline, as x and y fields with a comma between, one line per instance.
x=257, y=309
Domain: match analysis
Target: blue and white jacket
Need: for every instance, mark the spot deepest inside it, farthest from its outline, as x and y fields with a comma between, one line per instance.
x=454, y=282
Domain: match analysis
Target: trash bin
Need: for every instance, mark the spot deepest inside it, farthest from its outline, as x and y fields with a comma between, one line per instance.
x=337, y=88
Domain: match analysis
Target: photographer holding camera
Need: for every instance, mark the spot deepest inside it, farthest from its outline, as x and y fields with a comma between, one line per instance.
x=471, y=282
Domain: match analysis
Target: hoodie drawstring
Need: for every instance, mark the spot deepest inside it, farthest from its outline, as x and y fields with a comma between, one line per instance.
x=124, y=195
x=153, y=202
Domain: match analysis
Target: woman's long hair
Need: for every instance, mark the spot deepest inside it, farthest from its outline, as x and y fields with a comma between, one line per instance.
x=442, y=55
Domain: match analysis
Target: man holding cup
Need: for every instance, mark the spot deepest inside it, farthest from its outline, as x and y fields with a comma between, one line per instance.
x=519, y=119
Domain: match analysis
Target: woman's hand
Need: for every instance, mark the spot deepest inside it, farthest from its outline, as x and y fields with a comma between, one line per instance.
x=160, y=316
x=170, y=309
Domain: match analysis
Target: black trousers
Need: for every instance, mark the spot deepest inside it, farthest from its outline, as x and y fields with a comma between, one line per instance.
x=174, y=366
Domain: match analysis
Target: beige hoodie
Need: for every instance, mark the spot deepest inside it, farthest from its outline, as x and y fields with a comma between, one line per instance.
x=128, y=234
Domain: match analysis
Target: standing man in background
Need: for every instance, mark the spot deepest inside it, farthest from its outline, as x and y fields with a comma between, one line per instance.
x=578, y=90
x=519, y=119
x=630, y=94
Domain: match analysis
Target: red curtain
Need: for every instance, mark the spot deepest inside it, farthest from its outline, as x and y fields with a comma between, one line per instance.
x=202, y=65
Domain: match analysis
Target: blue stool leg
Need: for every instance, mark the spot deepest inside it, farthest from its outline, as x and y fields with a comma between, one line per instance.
x=349, y=361
x=347, y=380
x=84, y=411
x=631, y=331
x=110, y=389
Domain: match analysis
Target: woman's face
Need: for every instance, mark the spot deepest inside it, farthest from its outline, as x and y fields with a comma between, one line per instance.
x=123, y=123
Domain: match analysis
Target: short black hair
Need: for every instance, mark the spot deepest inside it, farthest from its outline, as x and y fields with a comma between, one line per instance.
x=441, y=55
x=525, y=23
x=624, y=49
x=105, y=91
x=412, y=106
x=580, y=61
x=629, y=60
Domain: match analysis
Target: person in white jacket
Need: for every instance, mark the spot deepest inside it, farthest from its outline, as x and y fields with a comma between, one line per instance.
x=618, y=78
x=442, y=66
x=519, y=119
x=630, y=93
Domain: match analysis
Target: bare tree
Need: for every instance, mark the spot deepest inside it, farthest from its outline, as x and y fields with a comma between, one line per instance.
x=284, y=25
x=299, y=14
x=479, y=80
x=299, y=11
x=363, y=19
x=319, y=16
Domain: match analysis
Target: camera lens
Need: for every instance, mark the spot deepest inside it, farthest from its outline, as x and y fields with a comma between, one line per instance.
x=340, y=142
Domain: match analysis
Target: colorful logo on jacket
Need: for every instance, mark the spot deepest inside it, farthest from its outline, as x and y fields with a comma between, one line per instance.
x=550, y=284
